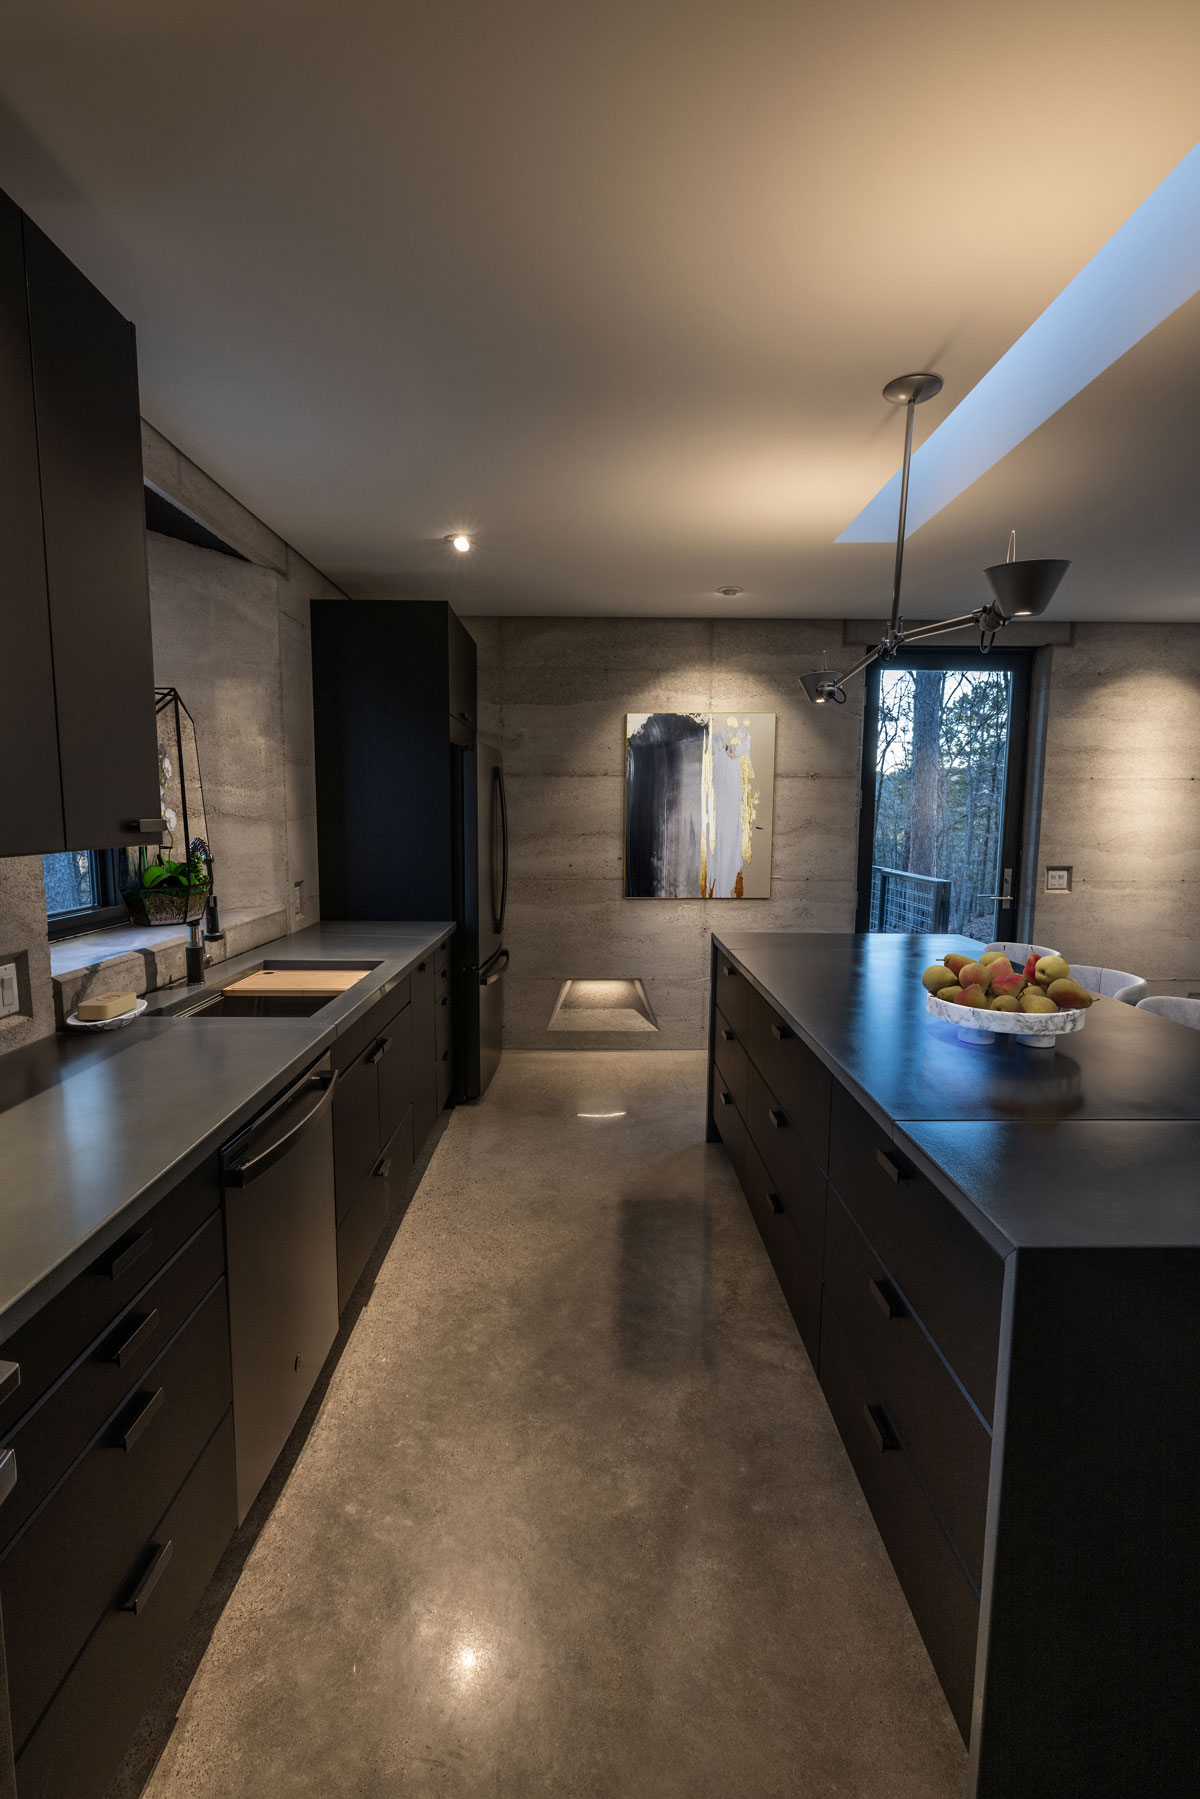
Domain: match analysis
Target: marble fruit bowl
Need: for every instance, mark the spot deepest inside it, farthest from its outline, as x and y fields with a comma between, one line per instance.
x=1036, y=1030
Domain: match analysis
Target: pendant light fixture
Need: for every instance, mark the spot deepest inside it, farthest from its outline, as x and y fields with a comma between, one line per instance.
x=1019, y=589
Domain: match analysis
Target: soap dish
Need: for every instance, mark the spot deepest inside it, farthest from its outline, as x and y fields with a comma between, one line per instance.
x=106, y=1024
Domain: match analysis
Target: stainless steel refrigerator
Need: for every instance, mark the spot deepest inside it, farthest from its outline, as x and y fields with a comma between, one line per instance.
x=481, y=896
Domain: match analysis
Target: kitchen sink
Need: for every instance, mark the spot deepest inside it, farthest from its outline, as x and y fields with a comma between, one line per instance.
x=263, y=1005
x=226, y=1002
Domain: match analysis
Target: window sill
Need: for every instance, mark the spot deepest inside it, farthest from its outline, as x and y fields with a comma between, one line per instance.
x=142, y=958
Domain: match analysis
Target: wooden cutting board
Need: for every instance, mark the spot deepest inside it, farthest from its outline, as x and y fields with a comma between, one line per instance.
x=296, y=980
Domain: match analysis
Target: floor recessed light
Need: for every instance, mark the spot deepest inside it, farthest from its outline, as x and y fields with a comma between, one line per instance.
x=459, y=540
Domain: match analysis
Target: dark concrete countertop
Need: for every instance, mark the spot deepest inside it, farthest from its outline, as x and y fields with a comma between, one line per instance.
x=97, y=1126
x=1096, y=1143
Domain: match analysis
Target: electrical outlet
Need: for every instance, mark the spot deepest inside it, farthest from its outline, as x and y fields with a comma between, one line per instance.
x=1058, y=880
x=10, y=997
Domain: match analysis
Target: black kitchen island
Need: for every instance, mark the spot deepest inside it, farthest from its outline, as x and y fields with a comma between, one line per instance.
x=993, y=1257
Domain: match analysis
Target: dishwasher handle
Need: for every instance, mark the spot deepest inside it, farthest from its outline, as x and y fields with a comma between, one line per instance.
x=239, y=1169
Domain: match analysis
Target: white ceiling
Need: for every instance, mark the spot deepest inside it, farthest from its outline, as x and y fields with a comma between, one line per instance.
x=616, y=287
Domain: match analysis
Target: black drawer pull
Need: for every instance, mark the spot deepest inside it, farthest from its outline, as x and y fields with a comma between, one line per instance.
x=445, y=1055
x=881, y=1428
x=150, y=1579
x=151, y=1404
x=727, y=1033
x=8, y=1472
x=10, y=1378
x=887, y=1299
x=891, y=1167
x=420, y=967
x=777, y=1118
x=380, y=1051
x=445, y=999
x=145, y=1327
x=780, y=1032
x=730, y=973
x=381, y=1173
x=775, y=1203
x=144, y=827
x=122, y=1260
x=725, y=1098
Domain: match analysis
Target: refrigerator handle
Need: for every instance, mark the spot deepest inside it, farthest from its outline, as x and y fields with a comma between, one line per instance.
x=490, y=974
x=498, y=790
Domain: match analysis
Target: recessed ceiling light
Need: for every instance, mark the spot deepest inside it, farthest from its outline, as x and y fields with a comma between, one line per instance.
x=459, y=540
x=730, y=593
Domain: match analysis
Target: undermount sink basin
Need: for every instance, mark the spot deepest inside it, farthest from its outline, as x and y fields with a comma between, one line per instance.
x=290, y=1001
x=265, y=1005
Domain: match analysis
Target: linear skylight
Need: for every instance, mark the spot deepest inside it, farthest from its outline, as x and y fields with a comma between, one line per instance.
x=1143, y=273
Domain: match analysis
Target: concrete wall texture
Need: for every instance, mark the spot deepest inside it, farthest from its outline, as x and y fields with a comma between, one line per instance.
x=559, y=690
x=1120, y=801
x=1121, y=804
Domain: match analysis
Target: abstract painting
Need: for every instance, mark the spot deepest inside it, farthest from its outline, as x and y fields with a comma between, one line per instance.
x=699, y=792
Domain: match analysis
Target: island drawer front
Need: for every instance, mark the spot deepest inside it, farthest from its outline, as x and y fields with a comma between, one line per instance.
x=797, y=1268
x=68, y=1324
x=938, y=1592
x=949, y=1274
x=82, y=1739
x=734, y=994
x=730, y=1058
x=728, y=1121
x=949, y=1448
x=798, y=1180
x=57, y=1577
x=789, y=1068
x=48, y=1439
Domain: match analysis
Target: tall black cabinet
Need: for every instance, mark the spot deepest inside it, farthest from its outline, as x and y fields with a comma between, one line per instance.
x=393, y=691
x=78, y=742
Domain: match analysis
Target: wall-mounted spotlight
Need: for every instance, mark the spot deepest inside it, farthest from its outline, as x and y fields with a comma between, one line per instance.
x=458, y=540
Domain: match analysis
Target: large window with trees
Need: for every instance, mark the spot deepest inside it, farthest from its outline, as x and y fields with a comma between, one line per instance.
x=943, y=772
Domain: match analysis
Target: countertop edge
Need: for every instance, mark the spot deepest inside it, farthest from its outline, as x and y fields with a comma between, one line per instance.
x=25, y=1305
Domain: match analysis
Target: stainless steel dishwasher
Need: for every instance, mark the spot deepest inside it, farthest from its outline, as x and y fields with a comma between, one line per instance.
x=281, y=1253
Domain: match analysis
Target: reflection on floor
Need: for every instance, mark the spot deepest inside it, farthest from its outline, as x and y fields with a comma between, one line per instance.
x=573, y=1518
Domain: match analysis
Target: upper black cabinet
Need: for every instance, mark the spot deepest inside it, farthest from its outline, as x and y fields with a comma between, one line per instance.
x=81, y=760
x=30, y=804
x=393, y=691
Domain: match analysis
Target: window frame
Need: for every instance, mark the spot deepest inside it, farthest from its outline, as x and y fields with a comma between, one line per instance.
x=1019, y=663
x=105, y=916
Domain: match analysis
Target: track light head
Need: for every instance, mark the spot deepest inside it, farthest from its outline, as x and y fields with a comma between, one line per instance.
x=1025, y=589
x=822, y=686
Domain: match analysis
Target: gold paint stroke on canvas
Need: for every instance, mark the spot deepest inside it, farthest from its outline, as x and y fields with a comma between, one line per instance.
x=708, y=807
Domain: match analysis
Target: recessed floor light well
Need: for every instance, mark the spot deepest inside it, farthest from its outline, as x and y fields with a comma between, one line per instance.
x=613, y=1005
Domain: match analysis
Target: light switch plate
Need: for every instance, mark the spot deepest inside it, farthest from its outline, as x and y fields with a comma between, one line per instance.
x=1058, y=880
x=10, y=996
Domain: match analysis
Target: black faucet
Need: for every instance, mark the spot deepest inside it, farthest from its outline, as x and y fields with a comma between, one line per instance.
x=196, y=957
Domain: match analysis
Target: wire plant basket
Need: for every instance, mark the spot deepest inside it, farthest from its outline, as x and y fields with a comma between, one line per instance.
x=167, y=889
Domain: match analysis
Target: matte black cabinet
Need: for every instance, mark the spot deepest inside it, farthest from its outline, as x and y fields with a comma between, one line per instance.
x=124, y=1499
x=393, y=691
x=77, y=733
x=389, y=1093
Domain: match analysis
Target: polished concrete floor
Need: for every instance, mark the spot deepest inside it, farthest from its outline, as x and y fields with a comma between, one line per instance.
x=572, y=1518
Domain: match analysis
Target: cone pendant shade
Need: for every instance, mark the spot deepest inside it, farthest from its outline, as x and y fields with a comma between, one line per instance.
x=1025, y=589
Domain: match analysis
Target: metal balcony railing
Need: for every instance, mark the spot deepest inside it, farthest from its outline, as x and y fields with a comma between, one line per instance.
x=906, y=902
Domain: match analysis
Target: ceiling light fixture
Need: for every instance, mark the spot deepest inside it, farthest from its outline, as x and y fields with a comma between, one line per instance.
x=459, y=540
x=730, y=593
x=1019, y=589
